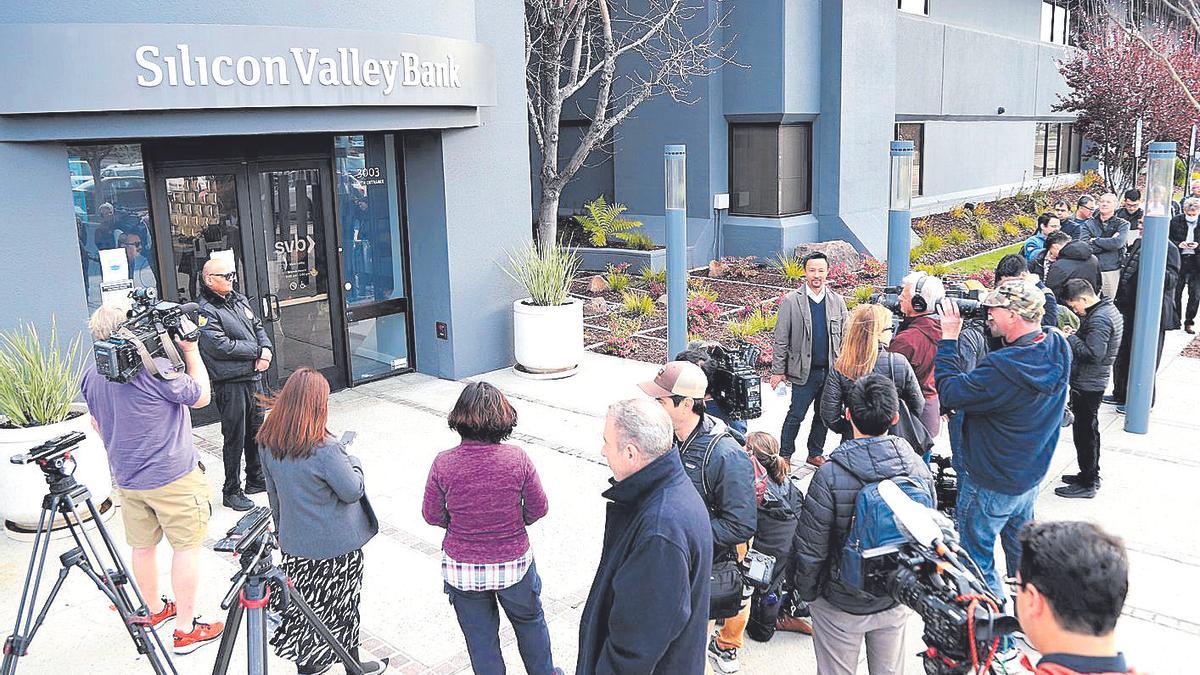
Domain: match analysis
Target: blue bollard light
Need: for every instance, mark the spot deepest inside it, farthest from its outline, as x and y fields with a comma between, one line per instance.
x=899, y=212
x=1152, y=273
x=675, y=185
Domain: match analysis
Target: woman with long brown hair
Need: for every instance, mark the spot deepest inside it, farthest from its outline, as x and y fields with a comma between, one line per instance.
x=322, y=518
x=864, y=351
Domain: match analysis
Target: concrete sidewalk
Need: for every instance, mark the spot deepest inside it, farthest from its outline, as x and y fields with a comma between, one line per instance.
x=1148, y=497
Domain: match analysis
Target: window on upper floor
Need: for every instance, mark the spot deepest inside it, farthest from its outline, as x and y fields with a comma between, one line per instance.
x=1056, y=21
x=913, y=6
x=770, y=169
x=1056, y=149
x=915, y=132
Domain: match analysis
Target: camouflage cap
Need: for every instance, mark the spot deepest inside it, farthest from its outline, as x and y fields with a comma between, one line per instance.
x=1021, y=296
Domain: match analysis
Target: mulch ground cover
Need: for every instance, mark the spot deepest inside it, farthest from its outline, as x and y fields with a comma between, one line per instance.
x=1192, y=350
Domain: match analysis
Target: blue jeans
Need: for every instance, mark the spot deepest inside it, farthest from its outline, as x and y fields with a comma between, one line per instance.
x=480, y=623
x=805, y=396
x=983, y=514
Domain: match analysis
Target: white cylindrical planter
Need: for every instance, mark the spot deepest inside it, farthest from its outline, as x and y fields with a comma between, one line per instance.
x=548, y=340
x=22, y=486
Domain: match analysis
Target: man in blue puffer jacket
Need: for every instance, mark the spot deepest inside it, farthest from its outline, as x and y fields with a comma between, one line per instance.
x=1012, y=406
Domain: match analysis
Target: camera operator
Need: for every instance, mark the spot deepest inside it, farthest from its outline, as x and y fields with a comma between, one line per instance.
x=703, y=358
x=722, y=473
x=1070, y=590
x=843, y=617
x=917, y=337
x=236, y=349
x=147, y=432
x=1012, y=406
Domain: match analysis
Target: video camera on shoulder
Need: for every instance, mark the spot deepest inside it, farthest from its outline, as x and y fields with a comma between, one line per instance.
x=966, y=299
x=145, y=335
x=733, y=382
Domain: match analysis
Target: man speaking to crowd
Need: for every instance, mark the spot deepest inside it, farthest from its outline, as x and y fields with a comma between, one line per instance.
x=236, y=350
x=1012, y=405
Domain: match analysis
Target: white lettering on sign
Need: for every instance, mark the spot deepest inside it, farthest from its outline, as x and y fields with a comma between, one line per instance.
x=344, y=67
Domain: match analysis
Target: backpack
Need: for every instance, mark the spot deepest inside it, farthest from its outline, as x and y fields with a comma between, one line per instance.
x=760, y=471
x=872, y=526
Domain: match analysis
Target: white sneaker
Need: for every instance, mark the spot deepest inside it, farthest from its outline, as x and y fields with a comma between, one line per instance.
x=724, y=660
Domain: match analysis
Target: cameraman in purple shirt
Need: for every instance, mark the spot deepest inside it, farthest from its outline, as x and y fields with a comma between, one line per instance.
x=147, y=432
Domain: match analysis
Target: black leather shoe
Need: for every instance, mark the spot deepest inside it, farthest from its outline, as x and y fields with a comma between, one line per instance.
x=1076, y=491
x=255, y=488
x=1073, y=479
x=1112, y=400
x=237, y=501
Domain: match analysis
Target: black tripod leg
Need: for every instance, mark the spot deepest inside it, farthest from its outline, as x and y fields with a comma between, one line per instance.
x=233, y=621
x=352, y=666
x=17, y=644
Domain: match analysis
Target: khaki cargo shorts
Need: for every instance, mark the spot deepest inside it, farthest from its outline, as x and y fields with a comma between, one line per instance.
x=180, y=510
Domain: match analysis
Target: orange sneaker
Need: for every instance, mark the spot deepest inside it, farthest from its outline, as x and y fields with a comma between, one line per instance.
x=161, y=616
x=201, y=634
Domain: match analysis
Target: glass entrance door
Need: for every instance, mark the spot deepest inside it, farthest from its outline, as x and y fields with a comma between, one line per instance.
x=291, y=210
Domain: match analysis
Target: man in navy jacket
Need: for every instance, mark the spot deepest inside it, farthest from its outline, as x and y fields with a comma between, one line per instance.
x=1012, y=406
x=647, y=611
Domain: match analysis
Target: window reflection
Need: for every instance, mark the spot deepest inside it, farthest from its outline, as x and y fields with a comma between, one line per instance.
x=368, y=216
x=112, y=214
x=204, y=219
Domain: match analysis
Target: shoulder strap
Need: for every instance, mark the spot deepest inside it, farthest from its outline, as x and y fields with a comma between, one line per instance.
x=148, y=361
x=722, y=432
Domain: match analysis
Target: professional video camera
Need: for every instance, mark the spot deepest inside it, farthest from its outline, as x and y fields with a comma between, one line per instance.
x=733, y=382
x=931, y=574
x=967, y=300
x=945, y=483
x=147, y=333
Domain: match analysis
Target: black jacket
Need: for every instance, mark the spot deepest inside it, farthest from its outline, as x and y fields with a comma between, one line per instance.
x=647, y=611
x=727, y=486
x=1094, y=346
x=1178, y=233
x=778, y=516
x=829, y=505
x=1126, y=298
x=231, y=337
x=1075, y=261
x=837, y=389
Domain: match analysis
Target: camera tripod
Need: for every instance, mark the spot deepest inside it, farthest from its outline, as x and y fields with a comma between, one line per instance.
x=250, y=593
x=65, y=497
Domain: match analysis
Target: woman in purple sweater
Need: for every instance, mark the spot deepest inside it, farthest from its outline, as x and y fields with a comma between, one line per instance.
x=485, y=494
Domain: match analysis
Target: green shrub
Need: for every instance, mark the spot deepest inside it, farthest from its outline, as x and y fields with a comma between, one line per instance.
x=545, y=272
x=859, y=295
x=1026, y=222
x=1011, y=229
x=38, y=380
x=604, y=220
x=958, y=212
x=980, y=210
x=617, y=277
x=915, y=253
x=789, y=266
x=651, y=277
x=637, y=304
x=754, y=323
x=933, y=269
x=697, y=288
x=987, y=230
x=957, y=236
x=933, y=242
x=638, y=241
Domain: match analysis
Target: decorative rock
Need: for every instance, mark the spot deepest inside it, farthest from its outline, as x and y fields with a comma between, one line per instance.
x=837, y=252
x=598, y=284
x=597, y=305
x=717, y=269
x=662, y=300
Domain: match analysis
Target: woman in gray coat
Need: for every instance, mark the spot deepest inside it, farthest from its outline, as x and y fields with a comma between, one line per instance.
x=864, y=351
x=322, y=519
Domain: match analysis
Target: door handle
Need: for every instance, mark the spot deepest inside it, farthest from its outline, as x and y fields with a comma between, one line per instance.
x=274, y=307
x=266, y=308
x=270, y=307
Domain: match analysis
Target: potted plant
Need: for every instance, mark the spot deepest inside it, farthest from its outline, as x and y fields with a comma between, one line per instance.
x=38, y=385
x=614, y=240
x=548, y=324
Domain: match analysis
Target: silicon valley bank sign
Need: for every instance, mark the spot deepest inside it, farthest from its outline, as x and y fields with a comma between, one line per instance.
x=63, y=68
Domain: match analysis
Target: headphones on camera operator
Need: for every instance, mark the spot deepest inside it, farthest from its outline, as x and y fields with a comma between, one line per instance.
x=919, y=304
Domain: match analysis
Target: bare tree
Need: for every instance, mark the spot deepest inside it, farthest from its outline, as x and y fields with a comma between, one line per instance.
x=662, y=46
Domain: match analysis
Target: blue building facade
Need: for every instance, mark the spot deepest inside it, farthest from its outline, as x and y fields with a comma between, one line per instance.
x=797, y=133
x=335, y=155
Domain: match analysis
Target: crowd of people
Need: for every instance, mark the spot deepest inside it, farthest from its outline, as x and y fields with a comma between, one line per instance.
x=692, y=494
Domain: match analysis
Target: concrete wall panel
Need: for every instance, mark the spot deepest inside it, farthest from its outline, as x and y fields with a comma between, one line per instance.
x=920, y=50
x=966, y=155
x=984, y=72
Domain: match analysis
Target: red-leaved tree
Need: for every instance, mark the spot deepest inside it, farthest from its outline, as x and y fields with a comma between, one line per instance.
x=1115, y=79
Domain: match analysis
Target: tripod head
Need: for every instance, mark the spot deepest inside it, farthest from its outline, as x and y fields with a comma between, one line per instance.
x=54, y=457
x=252, y=542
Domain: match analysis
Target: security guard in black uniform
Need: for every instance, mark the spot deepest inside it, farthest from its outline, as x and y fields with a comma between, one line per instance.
x=236, y=351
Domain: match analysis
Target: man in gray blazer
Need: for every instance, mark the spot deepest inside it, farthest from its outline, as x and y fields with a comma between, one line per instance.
x=808, y=337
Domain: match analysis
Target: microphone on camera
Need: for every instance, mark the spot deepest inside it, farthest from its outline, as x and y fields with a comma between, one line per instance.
x=912, y=518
